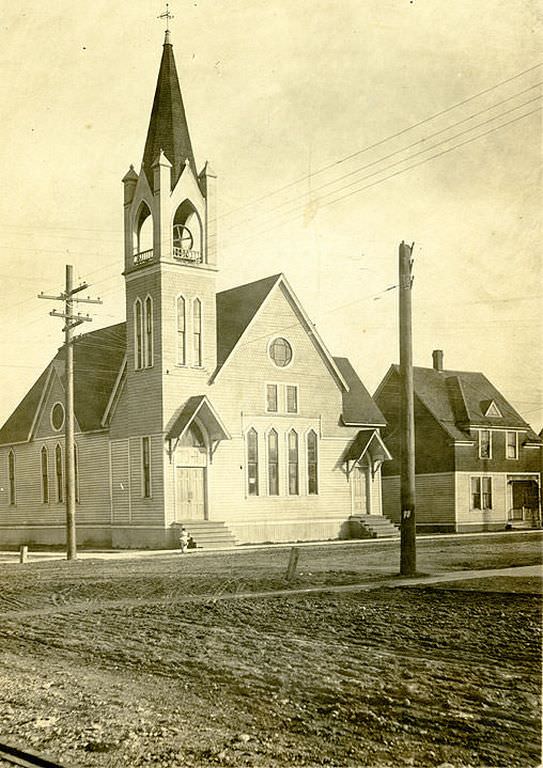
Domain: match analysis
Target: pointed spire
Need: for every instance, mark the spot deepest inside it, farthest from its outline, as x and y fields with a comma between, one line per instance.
x=168, y=128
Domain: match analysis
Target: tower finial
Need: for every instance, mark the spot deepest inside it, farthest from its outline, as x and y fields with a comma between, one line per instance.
x=166, y=15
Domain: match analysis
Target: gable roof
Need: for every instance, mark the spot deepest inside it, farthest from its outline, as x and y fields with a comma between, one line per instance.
x=358, y=405
x=236, y=308
x=459, y=400
x=97, y=358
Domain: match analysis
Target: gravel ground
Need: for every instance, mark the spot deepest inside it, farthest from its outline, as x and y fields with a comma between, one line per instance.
x=106, y=666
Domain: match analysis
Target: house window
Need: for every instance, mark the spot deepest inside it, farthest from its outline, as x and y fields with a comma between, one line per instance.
x=280, y=352
x=76, y=472
x=59, y=473
x=252, y=462
x=485, y=444
x=271, y=398
x=197, y=331
x=292, y=398
x=11, y=477
x=148, y=332
x=293, y=463
x=487, y=492
x=511, y=451
x=273, y=463
x=146, y=467
x=312, y=463
x=476, y=493
x=138, y=335
x=44, y=475
x=181, y=330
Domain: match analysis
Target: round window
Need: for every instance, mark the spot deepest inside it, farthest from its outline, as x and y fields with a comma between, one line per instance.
x=57, y=416
x=281, y=352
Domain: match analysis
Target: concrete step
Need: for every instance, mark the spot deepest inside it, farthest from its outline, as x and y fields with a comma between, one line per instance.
x=209, y=534
x=372, y=527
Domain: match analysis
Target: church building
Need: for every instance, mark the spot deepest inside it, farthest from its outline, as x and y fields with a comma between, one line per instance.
x=223, y=411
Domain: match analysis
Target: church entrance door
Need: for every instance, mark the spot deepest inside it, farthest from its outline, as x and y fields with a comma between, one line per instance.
x=360, y=491
x=190, y=494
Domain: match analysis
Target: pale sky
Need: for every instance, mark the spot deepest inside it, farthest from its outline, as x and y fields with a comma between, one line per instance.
x=275, y=91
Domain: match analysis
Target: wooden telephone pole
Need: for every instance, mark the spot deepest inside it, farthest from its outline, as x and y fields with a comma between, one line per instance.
x=71, y=321
x=408, y=552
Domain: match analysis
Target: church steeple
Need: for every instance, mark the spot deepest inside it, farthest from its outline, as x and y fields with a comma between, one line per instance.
x=168, y=129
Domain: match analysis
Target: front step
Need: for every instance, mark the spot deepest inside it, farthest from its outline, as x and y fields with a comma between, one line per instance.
x=372, y=527
x=209, y=534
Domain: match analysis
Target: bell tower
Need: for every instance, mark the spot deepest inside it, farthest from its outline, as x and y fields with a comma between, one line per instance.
x=170, y=244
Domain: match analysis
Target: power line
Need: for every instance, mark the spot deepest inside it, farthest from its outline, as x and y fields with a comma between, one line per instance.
x=386, y=178
x=383, y=141
x=404, y=149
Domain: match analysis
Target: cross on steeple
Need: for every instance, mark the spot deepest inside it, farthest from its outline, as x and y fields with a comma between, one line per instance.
x=166, y=15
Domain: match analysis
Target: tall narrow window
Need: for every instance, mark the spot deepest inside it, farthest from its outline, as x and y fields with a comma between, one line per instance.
x=476, y=493
x=148, y=332
x=293, y=463
x=292, y=398
x=44, y=476
x=138, y=335
x=511, y=450
x=487, y=492
x=271, y=398
x=273, y=463
x=146, y=467
x=485, y=444
x=197, y=331
x=76, y=472
x=11, y=477
x=312, y=463
x=252, y=462
x=181, y=330
x=59, y=473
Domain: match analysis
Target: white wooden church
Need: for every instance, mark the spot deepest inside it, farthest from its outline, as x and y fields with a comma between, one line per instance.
x=224, y=411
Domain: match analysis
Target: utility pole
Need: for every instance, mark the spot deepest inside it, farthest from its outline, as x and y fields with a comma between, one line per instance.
x=71, y=321
x=408, y=551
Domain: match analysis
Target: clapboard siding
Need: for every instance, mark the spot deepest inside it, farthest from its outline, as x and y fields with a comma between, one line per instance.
x=434, y=499
x=465, y=515
x=241, y=383
x=146, y=511
x=120, y=482
x=93, y=506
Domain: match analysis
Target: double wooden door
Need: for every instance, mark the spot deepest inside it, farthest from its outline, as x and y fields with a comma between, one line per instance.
x=190, y=502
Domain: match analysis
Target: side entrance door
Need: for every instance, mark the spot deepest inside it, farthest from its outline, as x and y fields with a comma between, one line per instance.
x=190, y=493
x=358, y=479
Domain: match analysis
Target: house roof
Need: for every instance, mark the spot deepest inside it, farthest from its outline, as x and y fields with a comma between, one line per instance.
x=236, y=308
x=460, y=399
x=358, y=405
x=168, y=128
x=97, y=359
x=99, y=355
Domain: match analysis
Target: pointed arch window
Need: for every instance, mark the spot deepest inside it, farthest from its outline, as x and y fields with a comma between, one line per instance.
x=273, y=463
x=148, y=340
x=252, y=462
x=181, y=331
x=59, y=473
x=138, y=335
x=44, y=458
x=312, y=463
x=11, y=477
x=197, y=331
x=293, y=461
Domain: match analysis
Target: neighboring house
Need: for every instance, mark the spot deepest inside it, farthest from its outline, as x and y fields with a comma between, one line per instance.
x=224, y=411
x=478, y=463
